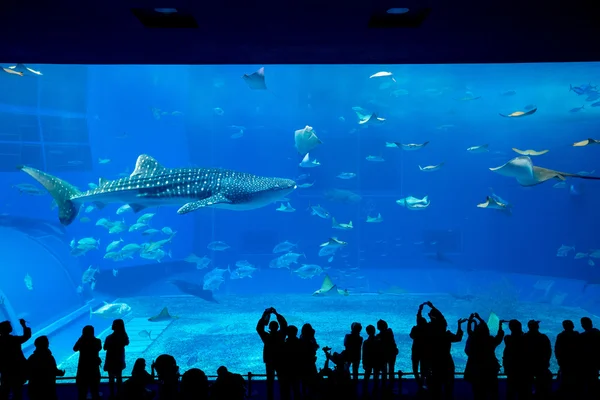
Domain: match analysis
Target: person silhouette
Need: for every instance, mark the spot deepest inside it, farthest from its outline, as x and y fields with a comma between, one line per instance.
x=115, y=344
x=88, y=366
x=42, y=371
x=13, y=365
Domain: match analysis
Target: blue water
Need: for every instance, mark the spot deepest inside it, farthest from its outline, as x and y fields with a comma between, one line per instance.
x=88, y=113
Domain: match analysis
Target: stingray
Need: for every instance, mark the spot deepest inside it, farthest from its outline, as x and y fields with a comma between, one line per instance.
x=530, y=152
x=256, y=80
x=586, y=142
x=194, y=290
x=306, y=140
x=518, y=114
x=522, y=169
x=163, y=316
x=490, y=202
x=328, y=289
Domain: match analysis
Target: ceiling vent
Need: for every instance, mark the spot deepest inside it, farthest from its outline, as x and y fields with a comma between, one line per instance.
x=164, y=18
x=399, y=18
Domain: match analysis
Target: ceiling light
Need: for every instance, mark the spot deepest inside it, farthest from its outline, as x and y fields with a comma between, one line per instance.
x=397, y=10
x=166, y=10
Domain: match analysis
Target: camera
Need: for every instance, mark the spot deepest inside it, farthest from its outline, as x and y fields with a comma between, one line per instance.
x=326, y=349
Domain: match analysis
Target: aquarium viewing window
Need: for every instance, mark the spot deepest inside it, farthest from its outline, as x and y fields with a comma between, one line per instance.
x=187, y=199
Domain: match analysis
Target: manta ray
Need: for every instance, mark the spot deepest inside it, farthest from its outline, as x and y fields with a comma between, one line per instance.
x=256, y=80
x=328, y=288
x=152, y=184
x=522, y=169
x=163, y=316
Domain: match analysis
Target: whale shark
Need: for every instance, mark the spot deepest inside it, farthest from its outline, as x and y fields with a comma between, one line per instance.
x=152, y=184
x=522, y=169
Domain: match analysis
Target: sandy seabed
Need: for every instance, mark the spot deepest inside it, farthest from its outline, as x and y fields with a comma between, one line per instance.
x=209, y=335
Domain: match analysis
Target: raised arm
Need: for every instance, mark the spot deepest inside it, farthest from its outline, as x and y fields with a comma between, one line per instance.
x=26, y=332
x=457, y=337
x=499, y=336
x=471, y=325
x=262, y=322
x=283, y=325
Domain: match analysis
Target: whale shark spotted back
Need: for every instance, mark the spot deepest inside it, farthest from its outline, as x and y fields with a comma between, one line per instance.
x=151, y=184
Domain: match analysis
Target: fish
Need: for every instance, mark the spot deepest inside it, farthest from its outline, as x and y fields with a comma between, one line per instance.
x=478, y=149
x=319, y=212
x=530, y=152
x=376, y=219
x=383, y=74
x=28, y=282
x=328, y=288
x=306, y=140
x=256, y=80
x=342, y=196
x=491, y=203
x=307, y=162
x=201, y=263
x=151, y=184
x=342, y=226
x=346, y=175
x=145, y=334
x=414, y=203
x=284, y=246
x=411, y=146
x=308, y=271
x=518, y=114
x=333, y=242
x=111, y=310
x=374, y=158
x=29, y=189
x=163, y=316
x=218, y=246
x=431, y=168
x=586, y=142
x=21, y=70
x=285, y=208
x=522, y=169
x=577, y=109
x=194, y=290
x=372, y=119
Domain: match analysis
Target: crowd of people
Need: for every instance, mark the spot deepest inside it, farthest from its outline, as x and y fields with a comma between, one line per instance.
x=290, y=355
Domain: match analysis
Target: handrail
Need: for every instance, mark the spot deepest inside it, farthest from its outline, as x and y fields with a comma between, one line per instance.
x=250, y=375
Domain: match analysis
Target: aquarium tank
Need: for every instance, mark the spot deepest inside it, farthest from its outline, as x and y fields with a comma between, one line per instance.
x=186, y=200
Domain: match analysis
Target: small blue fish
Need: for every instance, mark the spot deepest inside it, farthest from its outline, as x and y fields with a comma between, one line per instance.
x=576, y=109
x=577, y=90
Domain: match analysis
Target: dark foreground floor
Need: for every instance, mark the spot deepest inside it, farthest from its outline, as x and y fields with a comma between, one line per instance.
x=406, y=389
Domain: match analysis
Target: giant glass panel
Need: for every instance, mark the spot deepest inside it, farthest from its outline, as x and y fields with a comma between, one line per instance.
x=396, y=185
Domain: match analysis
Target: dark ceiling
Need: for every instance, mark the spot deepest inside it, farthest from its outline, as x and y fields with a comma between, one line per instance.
x=310, y=31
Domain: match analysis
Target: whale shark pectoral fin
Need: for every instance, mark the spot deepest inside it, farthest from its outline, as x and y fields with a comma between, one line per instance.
x=210, y=201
